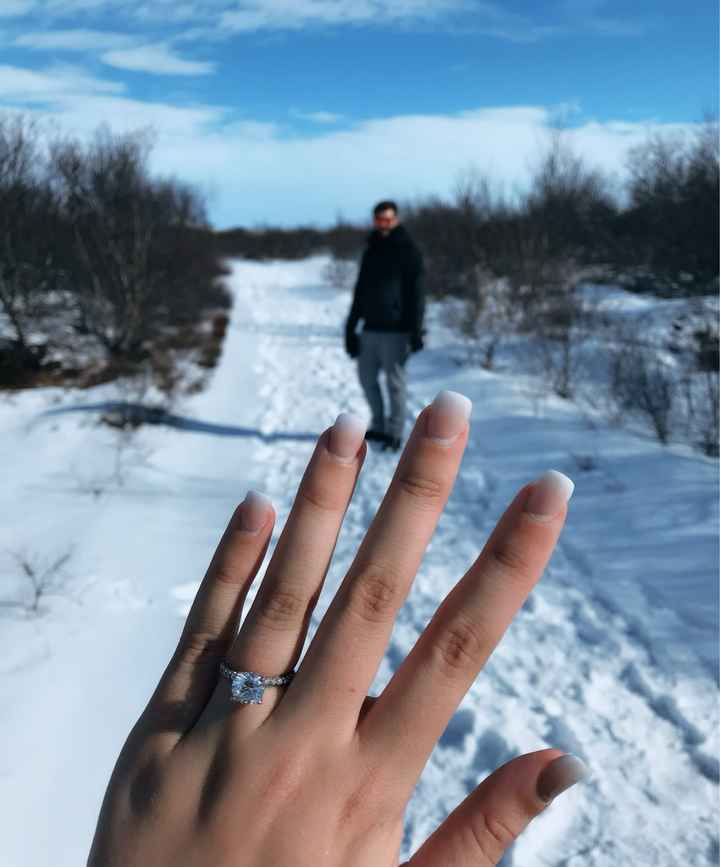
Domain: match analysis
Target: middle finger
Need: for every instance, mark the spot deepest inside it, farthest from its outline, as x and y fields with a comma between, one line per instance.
x=342, y=659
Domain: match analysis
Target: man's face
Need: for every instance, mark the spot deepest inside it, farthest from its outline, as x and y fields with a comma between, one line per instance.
x=386, y=221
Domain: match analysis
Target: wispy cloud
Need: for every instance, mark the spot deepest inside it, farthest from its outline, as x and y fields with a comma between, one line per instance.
x=74, y=40
x=489, y=19
x=254, y=15
x=320, y=117
x=158, y=59
x=21, y=86
x=587, y=15
x=119, y=50
x=213, y=19
x=14, y=8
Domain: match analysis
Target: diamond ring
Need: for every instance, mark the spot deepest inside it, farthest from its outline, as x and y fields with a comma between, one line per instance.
x=247, y=687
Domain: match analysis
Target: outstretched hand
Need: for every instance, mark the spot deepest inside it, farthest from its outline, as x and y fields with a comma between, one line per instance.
x=319, y=773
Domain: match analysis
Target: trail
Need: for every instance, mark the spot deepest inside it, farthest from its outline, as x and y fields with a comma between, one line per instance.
x=604, y=660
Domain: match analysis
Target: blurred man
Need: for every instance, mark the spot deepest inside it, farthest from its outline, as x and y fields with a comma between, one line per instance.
x=389, y=299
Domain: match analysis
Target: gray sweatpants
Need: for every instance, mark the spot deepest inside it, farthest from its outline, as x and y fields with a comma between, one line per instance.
x=387, y=351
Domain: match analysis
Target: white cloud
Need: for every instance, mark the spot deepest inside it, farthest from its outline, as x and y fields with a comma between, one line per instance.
x=79, y=103
x=74, y=40
x=262, y=172
x=289, y=180
x=158, y=59
x=15, y=8
x=254, y=15
x=47, y=86
x=221, y=18
x=119, y=50
x=320, y=117
x=490, y=19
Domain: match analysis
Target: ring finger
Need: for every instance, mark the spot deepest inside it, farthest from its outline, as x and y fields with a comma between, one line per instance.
x=272, y=635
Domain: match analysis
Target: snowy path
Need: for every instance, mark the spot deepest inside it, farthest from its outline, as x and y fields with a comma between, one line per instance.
x=611, y=657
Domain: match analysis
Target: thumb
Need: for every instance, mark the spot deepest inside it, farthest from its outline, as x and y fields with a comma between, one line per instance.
x=488, y=821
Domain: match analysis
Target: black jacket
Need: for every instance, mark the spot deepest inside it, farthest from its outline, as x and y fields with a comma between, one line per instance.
x=388, y=292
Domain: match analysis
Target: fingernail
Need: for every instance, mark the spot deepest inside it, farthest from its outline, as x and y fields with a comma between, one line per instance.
x=559, y=775
x=254, y=511
x=346, y=436
x=449, y=413
x=549, y=494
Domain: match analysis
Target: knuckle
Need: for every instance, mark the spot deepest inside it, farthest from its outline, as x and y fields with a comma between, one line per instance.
x=224, y=574
x=373, y=593
x=459, y=648
x=491, y=835
x=145, y=788
x=319, y=497
x=284, y=778
x=421, y=488
x=280, y=609
x=511, y=560
x=368, y=802
x=201, y=648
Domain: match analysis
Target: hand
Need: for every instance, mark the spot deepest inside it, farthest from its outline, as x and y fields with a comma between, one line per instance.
x=416, y=342
x=319, y=774
x=352, y=344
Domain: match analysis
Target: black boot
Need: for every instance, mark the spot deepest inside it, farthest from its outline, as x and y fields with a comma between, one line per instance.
x=392, y=444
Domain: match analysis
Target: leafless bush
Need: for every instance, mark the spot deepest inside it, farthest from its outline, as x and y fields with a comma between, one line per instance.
x=701, y=396
x=672, y=224
x=562, y=321
x=41, y=574
x=643, y=382
x=487, y=315
x=138, y=257
x=28, y=219
x=702, y=390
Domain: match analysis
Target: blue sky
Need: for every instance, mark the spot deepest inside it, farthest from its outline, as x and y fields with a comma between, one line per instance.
x=289, y=111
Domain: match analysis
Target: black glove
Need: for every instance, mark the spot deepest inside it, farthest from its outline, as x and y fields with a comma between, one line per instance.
x=352, y=344
x=416, y=342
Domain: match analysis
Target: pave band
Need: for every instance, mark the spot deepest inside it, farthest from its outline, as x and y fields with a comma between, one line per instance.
x=247, y=687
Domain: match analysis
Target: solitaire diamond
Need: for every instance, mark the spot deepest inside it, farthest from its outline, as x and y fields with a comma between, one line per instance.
x=247, y=687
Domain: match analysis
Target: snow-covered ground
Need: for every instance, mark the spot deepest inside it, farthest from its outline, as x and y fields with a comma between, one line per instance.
x=614, y=656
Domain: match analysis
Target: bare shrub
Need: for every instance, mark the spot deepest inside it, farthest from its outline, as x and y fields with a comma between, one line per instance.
x=672, y=224
x=28, y=219
x=139, y=256
x=41, y=574
x=487, y=315
x=702, y=389
x=642, y=382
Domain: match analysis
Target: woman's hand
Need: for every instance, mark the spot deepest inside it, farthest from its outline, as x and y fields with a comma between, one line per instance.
x=319, y=773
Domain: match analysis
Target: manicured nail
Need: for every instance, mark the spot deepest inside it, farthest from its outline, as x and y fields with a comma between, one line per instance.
x=549, y=494
x=449, y=413
x=560, y=775
x=254, y=512
x=346, y=436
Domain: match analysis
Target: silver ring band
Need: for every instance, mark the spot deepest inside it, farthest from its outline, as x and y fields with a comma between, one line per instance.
x=247, y=687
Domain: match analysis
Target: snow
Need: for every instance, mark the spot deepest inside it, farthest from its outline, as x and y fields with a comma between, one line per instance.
x=614, y=657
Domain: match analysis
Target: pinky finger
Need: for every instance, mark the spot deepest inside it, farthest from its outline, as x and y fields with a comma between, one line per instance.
x=489, y=820
x=191, y=675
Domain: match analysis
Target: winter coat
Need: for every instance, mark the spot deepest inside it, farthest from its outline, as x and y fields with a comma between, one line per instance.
x=388, y=293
